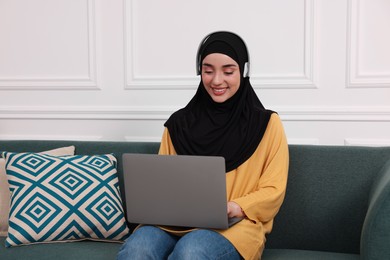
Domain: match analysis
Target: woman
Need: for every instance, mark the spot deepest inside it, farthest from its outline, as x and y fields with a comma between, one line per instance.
x=224, y=118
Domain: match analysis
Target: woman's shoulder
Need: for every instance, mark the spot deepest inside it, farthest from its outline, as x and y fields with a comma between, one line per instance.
x=274, y=116
x=275, y=124
x=274, y=119
x=176, y=116
x=270, y=115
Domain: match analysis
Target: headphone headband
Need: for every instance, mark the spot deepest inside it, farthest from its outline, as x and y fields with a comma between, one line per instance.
x=202, y=47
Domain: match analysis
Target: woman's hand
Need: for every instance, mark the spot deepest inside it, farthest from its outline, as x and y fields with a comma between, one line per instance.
x=234, y=210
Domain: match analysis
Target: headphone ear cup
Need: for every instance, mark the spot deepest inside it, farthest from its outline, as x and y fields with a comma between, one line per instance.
x=199, y=52
x=198, y=69
x=246, y=70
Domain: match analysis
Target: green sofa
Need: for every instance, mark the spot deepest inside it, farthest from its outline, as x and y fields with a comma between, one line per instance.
x=337, y=204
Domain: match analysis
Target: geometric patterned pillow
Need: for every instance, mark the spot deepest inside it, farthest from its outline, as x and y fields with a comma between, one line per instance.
x=4, y=190
x=63, y=198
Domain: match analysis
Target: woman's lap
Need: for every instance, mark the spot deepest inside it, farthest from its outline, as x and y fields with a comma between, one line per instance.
x=204, y=244
x=150, y=242
x=147, y=242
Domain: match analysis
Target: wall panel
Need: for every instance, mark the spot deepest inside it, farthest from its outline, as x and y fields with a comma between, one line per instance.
x=153, y=37
x=116, y=70
x=47, y=45
x=369, y=55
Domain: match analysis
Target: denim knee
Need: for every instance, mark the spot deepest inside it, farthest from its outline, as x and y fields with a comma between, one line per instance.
x=147, y=242
x=204, y=244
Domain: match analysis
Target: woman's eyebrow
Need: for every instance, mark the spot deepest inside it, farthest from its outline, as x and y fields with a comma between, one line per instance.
x=207, y=65
x=223, y=66
x=229, y=65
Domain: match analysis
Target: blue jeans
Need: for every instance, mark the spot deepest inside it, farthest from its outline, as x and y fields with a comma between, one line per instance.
x=149, y=242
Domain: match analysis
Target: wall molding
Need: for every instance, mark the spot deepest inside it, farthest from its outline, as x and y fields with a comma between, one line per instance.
x=366, y=142
x=89, y=82
x=143, y=139
x=86, y=113
x=52, y=137
x=335, y=114
x=355, y=77
x=306, y=141
x=343, y=114
x=305, y=81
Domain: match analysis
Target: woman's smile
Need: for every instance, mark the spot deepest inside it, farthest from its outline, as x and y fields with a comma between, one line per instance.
x=219, y=91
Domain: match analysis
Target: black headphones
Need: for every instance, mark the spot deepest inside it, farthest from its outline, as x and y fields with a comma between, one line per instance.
x=202, y=46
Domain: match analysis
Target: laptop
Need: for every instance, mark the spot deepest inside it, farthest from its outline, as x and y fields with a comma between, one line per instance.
x=176, y=190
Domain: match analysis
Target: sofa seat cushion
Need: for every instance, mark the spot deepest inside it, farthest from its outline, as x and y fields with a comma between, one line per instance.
x=292, y=254
x=61, y=251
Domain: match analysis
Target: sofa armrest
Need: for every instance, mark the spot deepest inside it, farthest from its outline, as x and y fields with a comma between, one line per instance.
x=374, y=243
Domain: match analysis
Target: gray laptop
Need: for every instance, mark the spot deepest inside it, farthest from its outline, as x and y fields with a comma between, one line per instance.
x=178, y=190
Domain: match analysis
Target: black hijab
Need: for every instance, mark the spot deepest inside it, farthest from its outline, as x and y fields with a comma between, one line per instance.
x=232, y=129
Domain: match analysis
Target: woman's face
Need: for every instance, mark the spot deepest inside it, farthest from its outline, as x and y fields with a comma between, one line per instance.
x=220, y=76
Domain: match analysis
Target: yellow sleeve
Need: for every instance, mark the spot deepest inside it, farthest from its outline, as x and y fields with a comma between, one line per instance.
x=166, y=146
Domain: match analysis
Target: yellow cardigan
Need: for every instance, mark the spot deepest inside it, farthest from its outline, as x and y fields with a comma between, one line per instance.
x=258, y=186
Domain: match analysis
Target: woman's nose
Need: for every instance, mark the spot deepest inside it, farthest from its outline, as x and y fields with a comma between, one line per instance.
x=217, y=79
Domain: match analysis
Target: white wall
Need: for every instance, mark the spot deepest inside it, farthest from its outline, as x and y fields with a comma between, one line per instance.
x=116, y=70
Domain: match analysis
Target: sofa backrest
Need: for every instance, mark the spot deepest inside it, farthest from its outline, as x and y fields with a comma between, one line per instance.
x=85, y=148
x=327, y=197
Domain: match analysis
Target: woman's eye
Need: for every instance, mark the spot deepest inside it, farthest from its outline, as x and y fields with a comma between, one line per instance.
x=208, y=72
x=229, y=72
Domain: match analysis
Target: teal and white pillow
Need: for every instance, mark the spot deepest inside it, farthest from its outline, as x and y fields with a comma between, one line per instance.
x=63, y=198
x=4, y=190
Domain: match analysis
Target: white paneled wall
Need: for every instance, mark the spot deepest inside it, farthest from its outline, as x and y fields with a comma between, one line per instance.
x=116, y=70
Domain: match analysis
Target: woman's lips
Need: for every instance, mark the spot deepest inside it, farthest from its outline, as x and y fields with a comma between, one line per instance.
x=219, y=91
